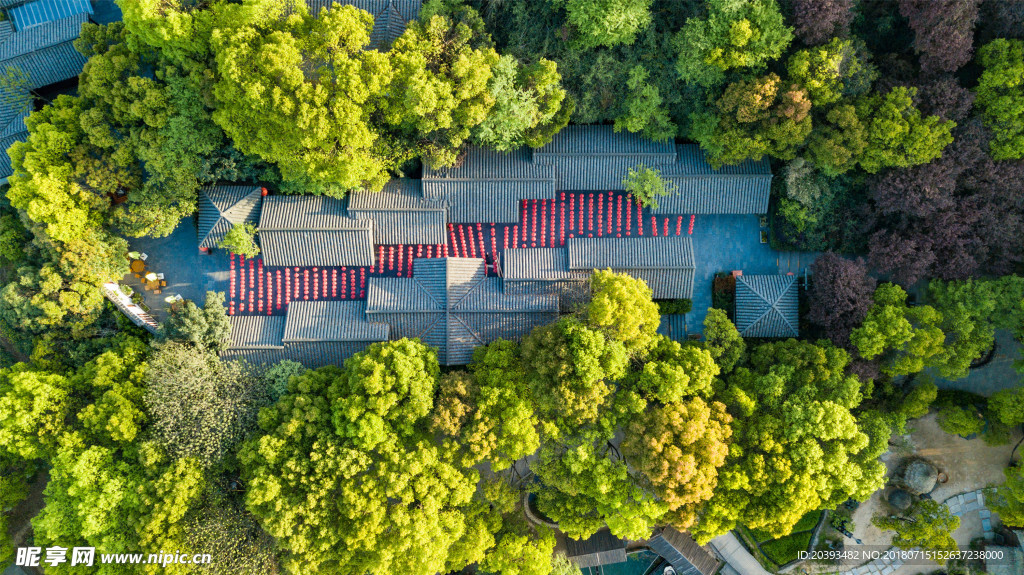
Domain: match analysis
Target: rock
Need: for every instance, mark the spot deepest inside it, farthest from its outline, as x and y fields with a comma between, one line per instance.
x=920, y=477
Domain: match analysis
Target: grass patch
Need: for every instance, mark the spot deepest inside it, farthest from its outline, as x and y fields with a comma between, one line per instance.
x=747, y=538
x=807, y=522
x=787, y=549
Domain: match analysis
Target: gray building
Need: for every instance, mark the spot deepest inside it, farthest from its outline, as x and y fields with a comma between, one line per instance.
x=683, y=553
x=767, y=306
x=36, y=51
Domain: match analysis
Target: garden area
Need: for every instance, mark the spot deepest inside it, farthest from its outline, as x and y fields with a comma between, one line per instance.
x=772, y=552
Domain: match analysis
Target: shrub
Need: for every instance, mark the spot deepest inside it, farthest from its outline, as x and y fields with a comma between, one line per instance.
x=960, y=421
x=674, y=306
x=646, y=185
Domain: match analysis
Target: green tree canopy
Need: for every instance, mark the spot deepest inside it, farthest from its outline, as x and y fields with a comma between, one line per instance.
x=300, y=92
x=241, y=239
x=439, y=90
x=723, y=340
x=571, y=368
x=763, y=116
x=1009, y=498
x=206, y=329
x=928, y=525
x=607, y=22
x=621, y=306
x=1000, y=98
x=530, y=105
x=679, y=447
x=646, y=185
x=825, y=456
x=906, y=339
x=736, y=34
x=341, y=494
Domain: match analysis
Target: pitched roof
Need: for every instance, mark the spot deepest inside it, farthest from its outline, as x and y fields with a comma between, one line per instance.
x=767, y=306
x=601, y=548
x=316, y=334
x=43, y=55
x=700, y=189
x=683, y=553
x=400, y=214
x=544, y=264
x=673, y=326
x=666, y=264
x=43, y=11
x=667, y=252
x=596, y=158
x=313, y=231
x=256, y=331
x=488, y=185
x=390, y=17
x=331, y=321
x=452, y=305
x=221, y=207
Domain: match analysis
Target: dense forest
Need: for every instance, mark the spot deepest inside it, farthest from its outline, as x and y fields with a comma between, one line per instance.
x=895, y=130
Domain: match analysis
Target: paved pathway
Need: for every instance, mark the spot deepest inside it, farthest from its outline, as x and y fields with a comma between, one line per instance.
x=737, y=556
x=188, y=272
x=965, y=506
x=724, y=243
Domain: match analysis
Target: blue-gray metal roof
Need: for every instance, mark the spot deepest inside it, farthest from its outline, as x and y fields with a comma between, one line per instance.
x=743, y=188
x=487, y=186
x=222, y=207
x=400, y=214
x=309, y=321
x=390, y=17
x=601, y=548
x=38, y=37
x=43, y=11
x=767, y=306
x=596, y=158
x=314, y=334
x=452, y=305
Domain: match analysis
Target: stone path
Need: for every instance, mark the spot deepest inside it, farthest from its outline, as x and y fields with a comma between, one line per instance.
x=965, y=505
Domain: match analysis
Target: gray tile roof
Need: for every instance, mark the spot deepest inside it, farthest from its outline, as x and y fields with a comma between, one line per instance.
x=331, y=321
x=313, y=231
x=400, y=214
x=665, y=252
x=666, y=264
x=314, y=334
x=528, y=264
x=740, y=189
x=42, y=11
x=221, y=207
x=596, y=158
x=44, y=54
x=256, y=331
x=23, y=42
x=309, y=354
x=601, y=548
x=390, y=17
x=451, y=304
x=683, y=553
x=767, y=306
x=488, y=185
